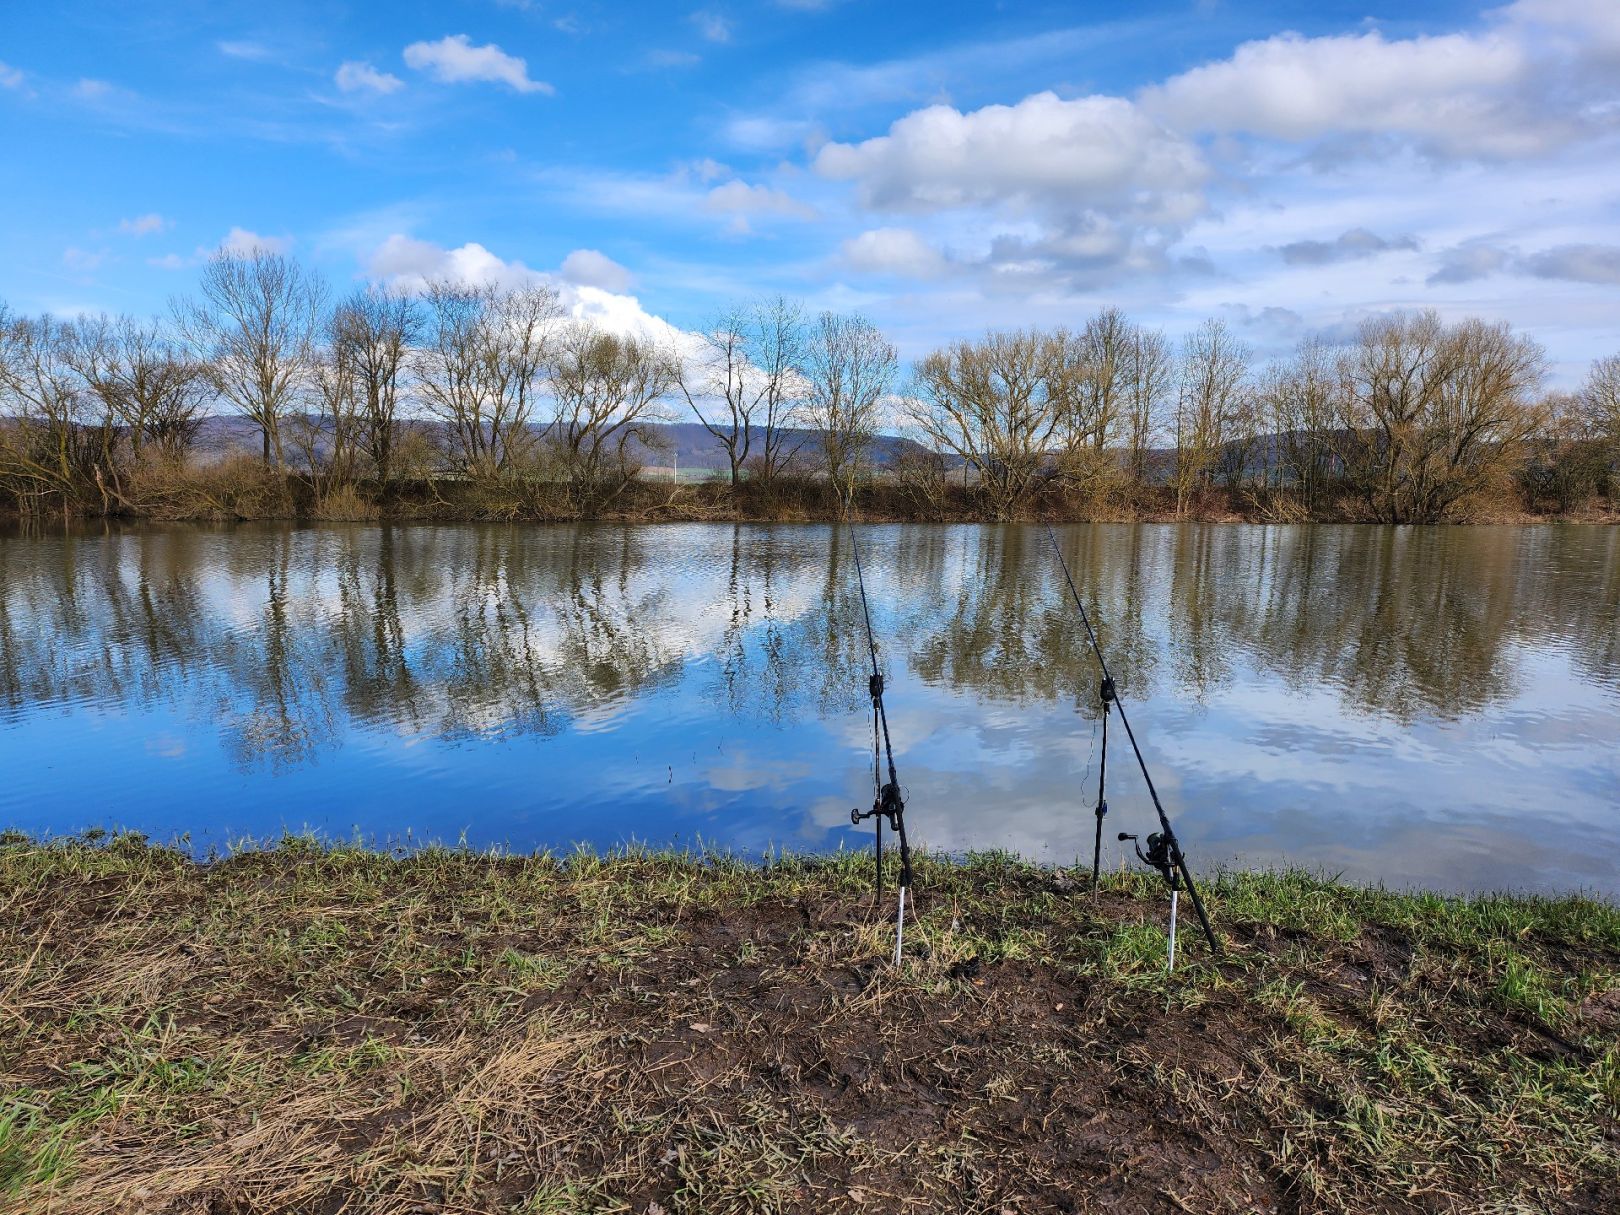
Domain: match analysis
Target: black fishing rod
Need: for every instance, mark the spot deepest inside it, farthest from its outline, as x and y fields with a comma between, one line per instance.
x=1106, y=693
x=1163, y=853
x=887, y=802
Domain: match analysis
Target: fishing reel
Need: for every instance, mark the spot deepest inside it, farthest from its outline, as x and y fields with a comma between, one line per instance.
x=1107, y=693
x=888, y=803
x=1162, y=854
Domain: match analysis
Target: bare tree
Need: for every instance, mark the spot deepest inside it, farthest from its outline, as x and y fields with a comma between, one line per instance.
x=328, y=433
x=375, y=329
x=1214, y=365
x=606, y=390
x=1299, y=401
x=848, y=368
x=1149, y=369
x=479, y=368
x=743, y=378
x=1105, y=348
x=256, y=328
x=1600, y=399
x=989, y=402
x=146, y=378
x=1434, y=414
x=58, y=437
x=1566, y=459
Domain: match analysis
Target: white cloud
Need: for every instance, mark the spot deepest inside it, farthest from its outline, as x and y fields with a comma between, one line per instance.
x=412, y=264
x=1043, y=154
x=1595, y=22
x=93, y=90
x=712, y=25
x=169, y=261
x=738, y=198
x=454, y=60
x=1519, y=87
x=144, y=225
x=355, y=75
x=762, y=133
x=10, y=77
x=242, y=242
x=1086, y=188
x=893, y=251
x=590, y=268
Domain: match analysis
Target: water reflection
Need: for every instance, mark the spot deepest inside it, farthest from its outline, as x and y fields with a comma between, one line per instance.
x=532, y=686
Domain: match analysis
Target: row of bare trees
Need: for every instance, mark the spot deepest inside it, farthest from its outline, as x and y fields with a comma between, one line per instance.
x=495, y=385
x=1407, y=423
x=503, y=388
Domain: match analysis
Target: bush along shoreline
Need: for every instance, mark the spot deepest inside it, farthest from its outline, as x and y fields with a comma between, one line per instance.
x=243, y=490
x=321, y=1028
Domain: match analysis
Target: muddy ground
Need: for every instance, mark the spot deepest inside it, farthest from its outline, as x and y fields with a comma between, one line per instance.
x=318, y=1030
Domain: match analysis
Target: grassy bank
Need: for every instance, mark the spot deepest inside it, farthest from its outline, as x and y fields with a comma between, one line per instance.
x=311, y=1029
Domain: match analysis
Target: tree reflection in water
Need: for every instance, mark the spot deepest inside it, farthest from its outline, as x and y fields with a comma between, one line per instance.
x=284, y=646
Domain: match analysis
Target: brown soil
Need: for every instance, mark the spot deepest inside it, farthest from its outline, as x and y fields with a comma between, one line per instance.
x=287, y=1032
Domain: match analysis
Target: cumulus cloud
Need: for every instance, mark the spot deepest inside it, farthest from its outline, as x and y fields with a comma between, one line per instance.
x=1043, y=153
x=144, y=225
x=1577, y=263
x=1596, y=23
x=1448, y=88
x=1084, y=188
x=1465, y=263
x=1347, y=246
x=355, y=76
x=1512, y=89
x=453, y=59
x=590, y=268
x=893, y=251
x=412, y=264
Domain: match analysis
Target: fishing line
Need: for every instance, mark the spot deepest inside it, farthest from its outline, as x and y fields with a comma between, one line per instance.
x=887, y=802
x=1163, y=853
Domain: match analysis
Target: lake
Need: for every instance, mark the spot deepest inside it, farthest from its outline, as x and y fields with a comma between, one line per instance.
x=1423, y=707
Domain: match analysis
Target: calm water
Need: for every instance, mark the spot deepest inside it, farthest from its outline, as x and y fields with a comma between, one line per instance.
x=1425, y=707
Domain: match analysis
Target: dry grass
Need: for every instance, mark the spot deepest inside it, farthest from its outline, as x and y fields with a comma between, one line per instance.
x=323, y=1029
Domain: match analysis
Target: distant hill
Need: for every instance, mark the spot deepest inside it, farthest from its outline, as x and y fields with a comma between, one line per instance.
x=685, y=443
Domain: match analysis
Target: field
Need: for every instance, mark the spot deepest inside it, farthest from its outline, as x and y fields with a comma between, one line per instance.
x=322, y=1028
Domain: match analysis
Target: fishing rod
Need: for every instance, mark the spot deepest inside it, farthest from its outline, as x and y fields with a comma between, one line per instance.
x=887, y=802
x=1164, y=853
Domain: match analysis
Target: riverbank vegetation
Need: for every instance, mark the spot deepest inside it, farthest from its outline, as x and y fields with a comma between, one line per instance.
x=320, y=1028
x=467, y=401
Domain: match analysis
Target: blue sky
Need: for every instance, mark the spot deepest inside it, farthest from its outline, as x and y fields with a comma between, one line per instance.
x=942, y=168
